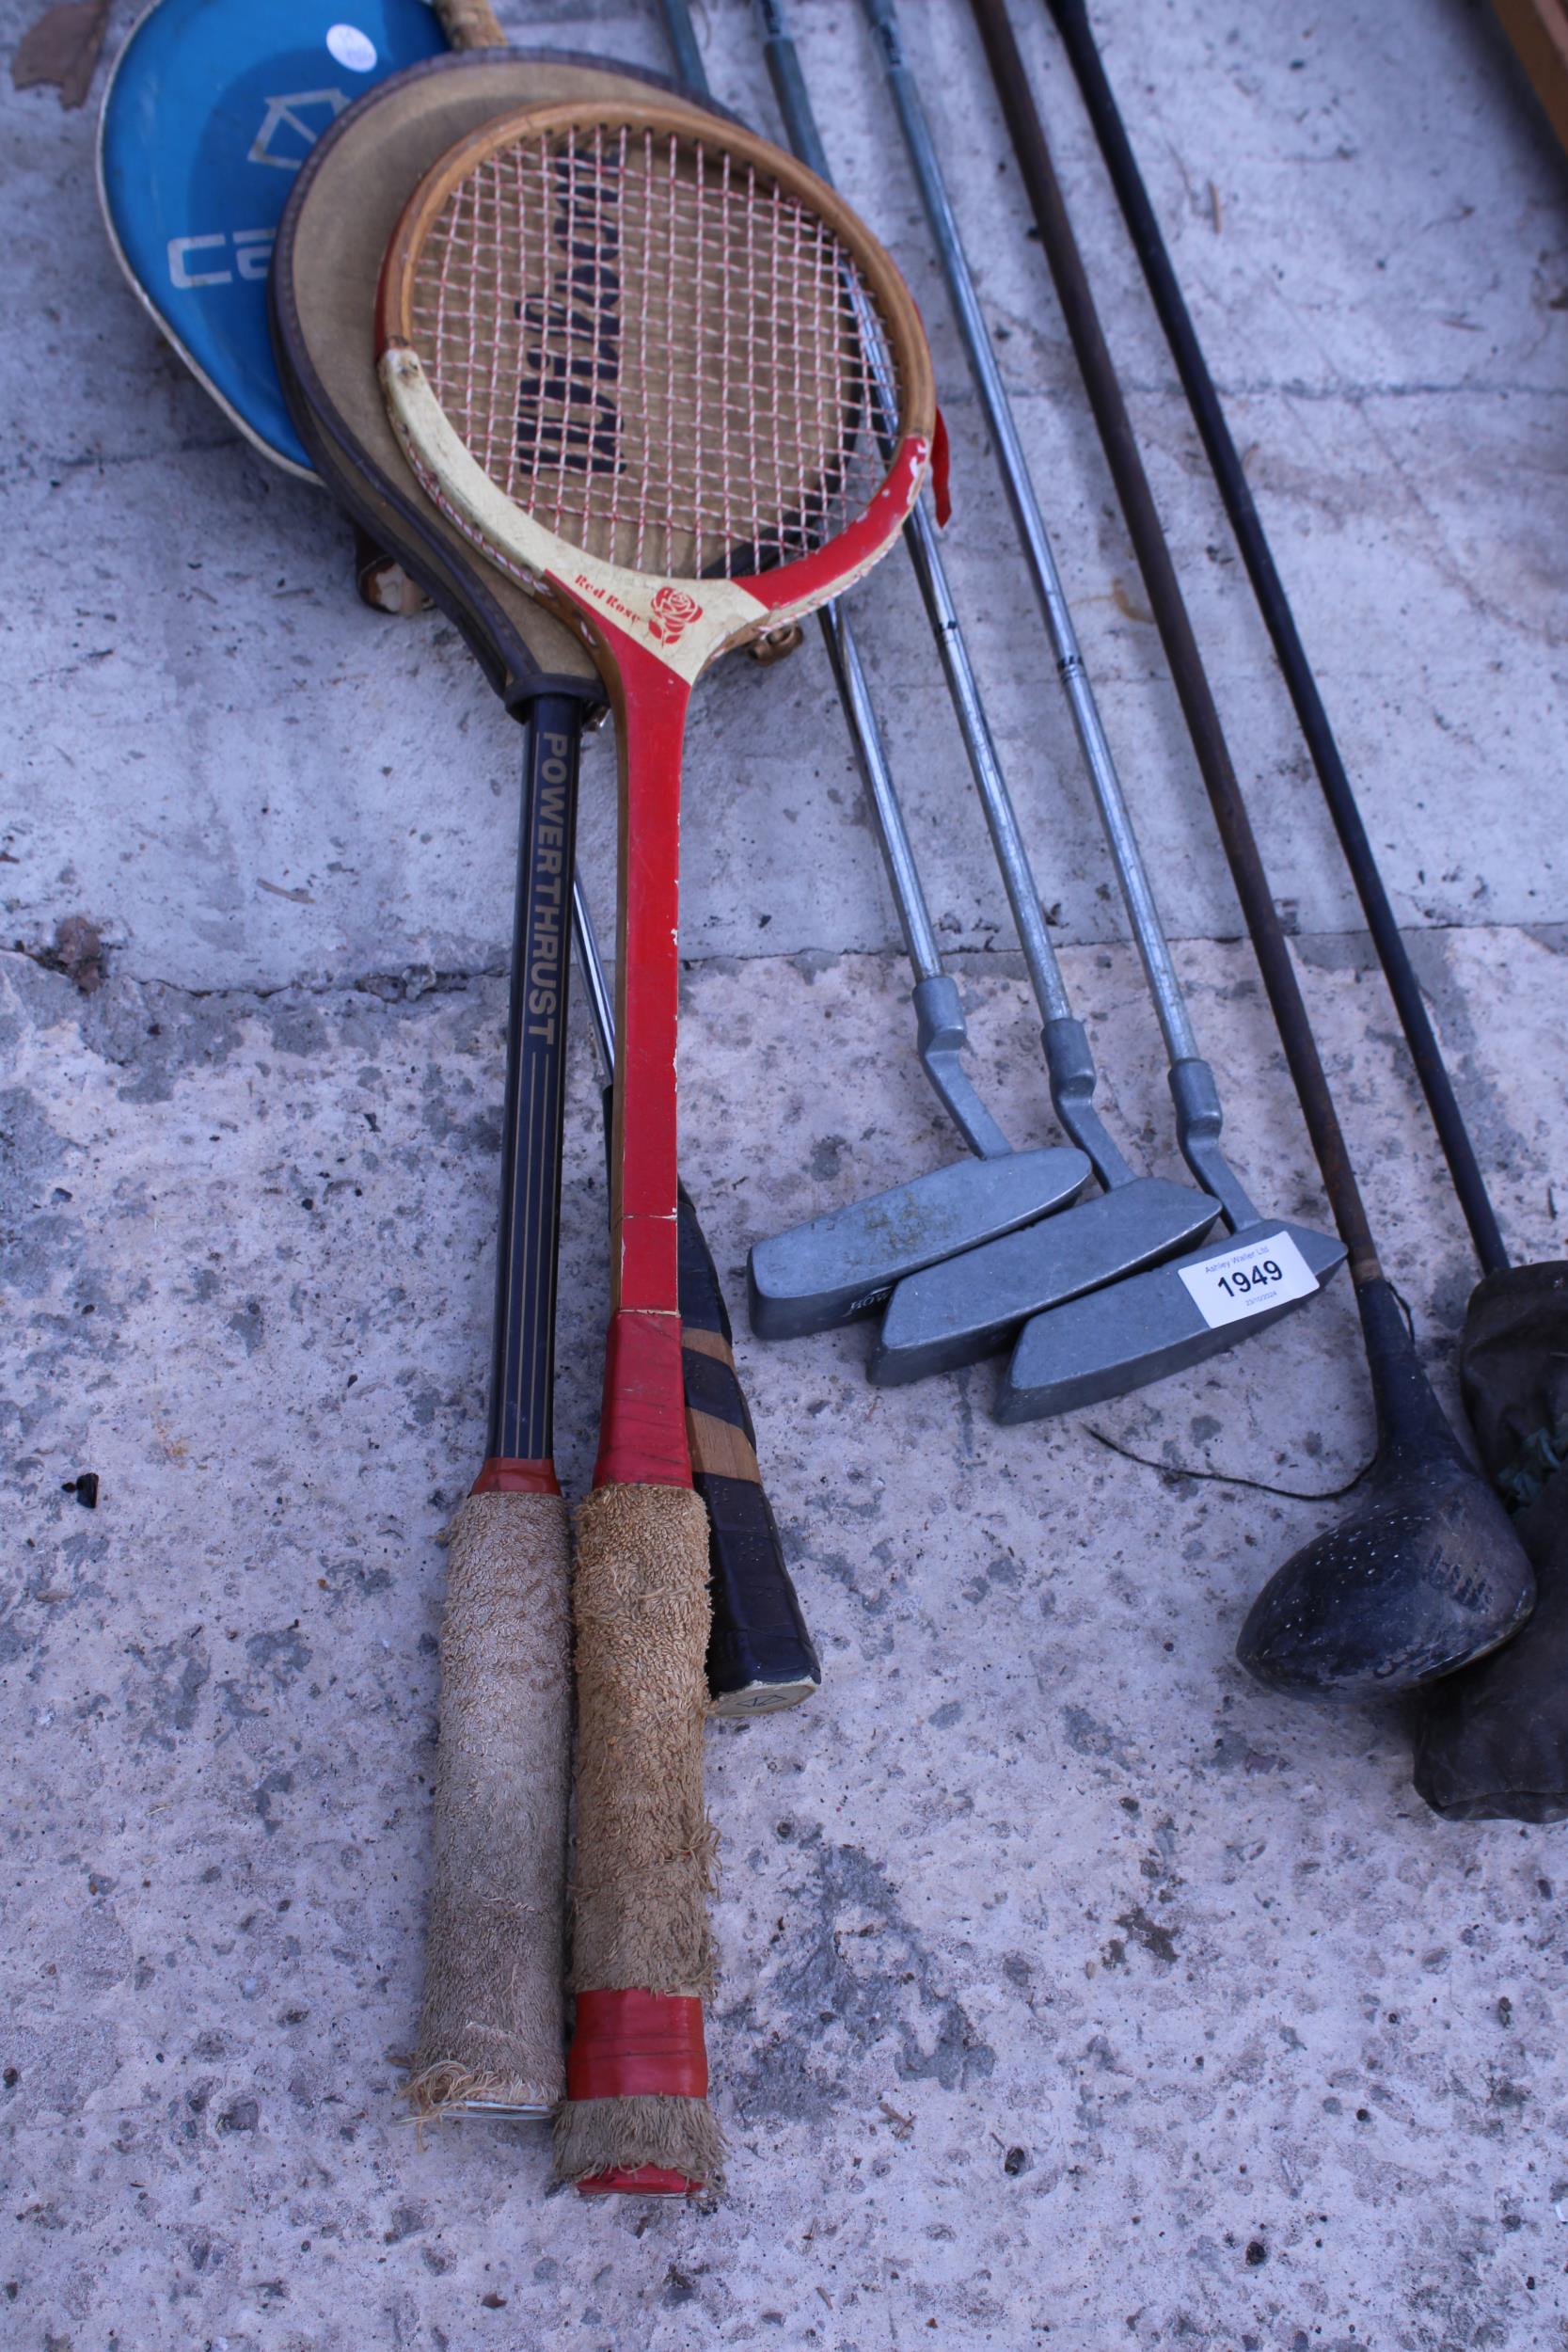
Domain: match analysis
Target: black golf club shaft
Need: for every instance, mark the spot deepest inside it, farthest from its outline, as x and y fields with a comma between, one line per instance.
x=1191, y=684
x=1071, y=16
x=1490, y=1742
x=1405, y=1403
x=1371, y=1603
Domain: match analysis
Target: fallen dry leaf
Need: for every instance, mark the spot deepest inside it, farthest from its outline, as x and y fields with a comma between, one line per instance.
x=62, y=48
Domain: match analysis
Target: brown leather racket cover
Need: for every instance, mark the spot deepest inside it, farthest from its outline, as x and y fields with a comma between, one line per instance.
x=340, y=214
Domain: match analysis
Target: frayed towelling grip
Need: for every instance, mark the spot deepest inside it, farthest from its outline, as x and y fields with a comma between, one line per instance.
x=642, y=1948
x=491, y=2025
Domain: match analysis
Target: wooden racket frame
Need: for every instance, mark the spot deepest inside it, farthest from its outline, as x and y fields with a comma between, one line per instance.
x=510, y=537
x=649, y=679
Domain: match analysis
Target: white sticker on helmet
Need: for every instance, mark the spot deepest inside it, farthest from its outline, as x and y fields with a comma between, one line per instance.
x=352, y=48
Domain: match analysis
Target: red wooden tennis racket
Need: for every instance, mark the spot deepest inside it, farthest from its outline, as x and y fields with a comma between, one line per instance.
x=630, y=359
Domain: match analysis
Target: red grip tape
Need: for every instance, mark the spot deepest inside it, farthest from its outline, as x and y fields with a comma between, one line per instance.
x=635, y=2045
x=643, y=1425
x=942, y=459
x=502, y=1475
x=642, y=2180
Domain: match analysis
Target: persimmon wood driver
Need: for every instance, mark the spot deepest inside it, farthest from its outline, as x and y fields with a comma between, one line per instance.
x=1425, y=1572
x=627, y=358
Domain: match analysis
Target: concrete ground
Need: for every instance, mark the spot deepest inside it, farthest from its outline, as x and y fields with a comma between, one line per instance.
x=1074, y=1991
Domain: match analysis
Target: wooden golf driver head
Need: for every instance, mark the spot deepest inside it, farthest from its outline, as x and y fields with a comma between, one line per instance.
x=966, y=1308
x=1423, y=1573
x=1405, y=1589
x=1161, y=1321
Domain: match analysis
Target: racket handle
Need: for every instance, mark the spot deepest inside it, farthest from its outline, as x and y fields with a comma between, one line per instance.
x=492, y=2026
x=636, y=2115
x=760, y=1653
x=469, y=25
x=760, y=1656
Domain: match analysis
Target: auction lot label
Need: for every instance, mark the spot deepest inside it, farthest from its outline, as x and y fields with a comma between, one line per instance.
x=1246, y=1280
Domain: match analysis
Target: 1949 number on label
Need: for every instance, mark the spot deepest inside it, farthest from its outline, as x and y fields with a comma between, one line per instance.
x=1248, y=1279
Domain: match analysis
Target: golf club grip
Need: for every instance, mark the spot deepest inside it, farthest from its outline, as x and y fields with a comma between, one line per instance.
x=759, y=1652
x=469, y=25
x=491, y=2021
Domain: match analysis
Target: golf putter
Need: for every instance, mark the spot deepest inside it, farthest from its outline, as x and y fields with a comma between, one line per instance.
x=843, y=1263
x=965, y=1308
x=1098, y=1240
x=951, y=1315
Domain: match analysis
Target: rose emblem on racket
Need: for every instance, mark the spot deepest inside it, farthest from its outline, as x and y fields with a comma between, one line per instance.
x=673, y=613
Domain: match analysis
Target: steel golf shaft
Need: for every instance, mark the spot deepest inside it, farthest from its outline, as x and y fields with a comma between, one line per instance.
x=940, y=1030
x=914, y=919
x=1067, y=1045
x=1180, y=1043
x=1105, y=391
x=1169, y=607
x=1202, y=398
x=908, y=895
x=1187, y=670
x=920, y=538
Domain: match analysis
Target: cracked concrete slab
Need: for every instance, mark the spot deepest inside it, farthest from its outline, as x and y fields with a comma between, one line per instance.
x=1074, y=1991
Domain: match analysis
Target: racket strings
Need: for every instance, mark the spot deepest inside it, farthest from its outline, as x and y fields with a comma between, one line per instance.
x=654, y=350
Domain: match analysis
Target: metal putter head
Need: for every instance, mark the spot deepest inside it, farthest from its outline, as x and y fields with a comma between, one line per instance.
x=1161, y=1321
x=967, y=1307
x=1423, y=1575
x=844, y=1265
